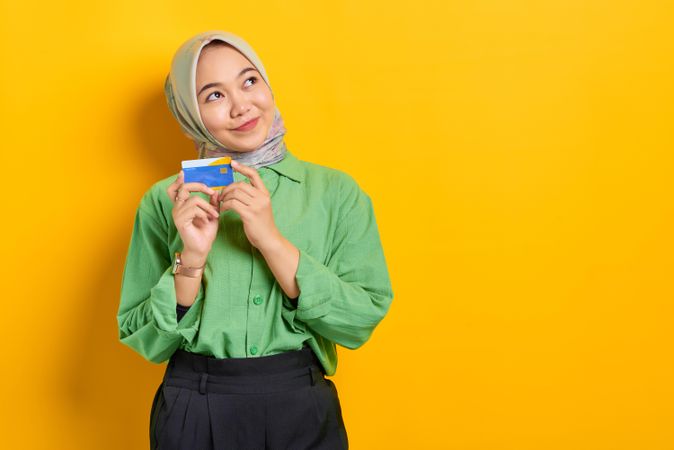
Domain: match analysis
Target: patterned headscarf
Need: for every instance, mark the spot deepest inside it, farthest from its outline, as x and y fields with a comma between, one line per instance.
x=180, y=90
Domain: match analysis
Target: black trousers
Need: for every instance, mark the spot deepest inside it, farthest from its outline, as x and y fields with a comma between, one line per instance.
x=280, y=401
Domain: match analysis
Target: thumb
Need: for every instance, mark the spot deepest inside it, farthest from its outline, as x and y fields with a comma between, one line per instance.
x=214, y=200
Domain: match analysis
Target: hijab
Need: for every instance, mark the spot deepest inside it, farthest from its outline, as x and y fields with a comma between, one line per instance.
x=180, y=90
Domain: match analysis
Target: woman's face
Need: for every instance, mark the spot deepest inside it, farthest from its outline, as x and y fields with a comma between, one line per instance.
x=231, y=92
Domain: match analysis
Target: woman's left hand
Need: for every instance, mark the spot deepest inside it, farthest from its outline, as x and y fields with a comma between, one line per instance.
x=253, y=203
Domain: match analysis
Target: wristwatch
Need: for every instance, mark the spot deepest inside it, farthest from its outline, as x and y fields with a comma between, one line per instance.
x=179, y=269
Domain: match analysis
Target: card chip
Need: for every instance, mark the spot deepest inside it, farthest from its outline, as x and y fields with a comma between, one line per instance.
x=223, y=170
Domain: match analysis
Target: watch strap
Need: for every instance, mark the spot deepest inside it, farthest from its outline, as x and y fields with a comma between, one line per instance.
x=180, y=269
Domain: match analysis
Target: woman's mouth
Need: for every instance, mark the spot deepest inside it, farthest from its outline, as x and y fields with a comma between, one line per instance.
x=248, y=125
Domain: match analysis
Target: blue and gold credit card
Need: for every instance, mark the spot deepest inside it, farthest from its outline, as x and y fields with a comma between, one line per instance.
x=215, y=173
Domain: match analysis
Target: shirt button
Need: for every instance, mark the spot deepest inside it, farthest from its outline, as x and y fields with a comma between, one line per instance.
x=257, y=299
x=253, y=350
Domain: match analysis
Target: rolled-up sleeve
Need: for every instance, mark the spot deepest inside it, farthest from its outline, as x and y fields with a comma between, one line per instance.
x=346, y=298
x=147, y=317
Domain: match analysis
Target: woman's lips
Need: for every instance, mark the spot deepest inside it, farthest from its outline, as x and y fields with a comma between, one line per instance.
x=248, y=125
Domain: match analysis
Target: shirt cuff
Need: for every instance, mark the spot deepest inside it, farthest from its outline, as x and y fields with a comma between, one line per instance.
x=164, y=308
x=315, y=282
x=181, y=311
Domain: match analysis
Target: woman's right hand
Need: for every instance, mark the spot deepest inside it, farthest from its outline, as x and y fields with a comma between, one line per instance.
x=196, y=219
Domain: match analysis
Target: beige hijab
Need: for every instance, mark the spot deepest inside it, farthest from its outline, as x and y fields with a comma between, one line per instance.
x=180, y=90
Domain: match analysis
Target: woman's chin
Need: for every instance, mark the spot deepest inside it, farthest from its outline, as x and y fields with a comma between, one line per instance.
x=247, y=145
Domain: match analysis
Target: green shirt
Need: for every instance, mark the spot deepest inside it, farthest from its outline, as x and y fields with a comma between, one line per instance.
x=240, y=309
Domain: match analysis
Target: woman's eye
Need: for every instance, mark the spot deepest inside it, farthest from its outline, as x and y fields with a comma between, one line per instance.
x=216, y=92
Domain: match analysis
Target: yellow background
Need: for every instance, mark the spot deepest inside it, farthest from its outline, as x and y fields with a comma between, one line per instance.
x=519, y=156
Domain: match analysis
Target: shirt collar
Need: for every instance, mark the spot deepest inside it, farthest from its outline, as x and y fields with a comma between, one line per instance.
x=289, y=166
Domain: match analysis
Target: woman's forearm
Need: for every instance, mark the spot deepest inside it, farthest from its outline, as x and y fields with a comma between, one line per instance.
x=187, y=288
x=283, y=258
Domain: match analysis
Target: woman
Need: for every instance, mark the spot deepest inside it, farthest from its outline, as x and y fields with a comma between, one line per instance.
x=272, y=271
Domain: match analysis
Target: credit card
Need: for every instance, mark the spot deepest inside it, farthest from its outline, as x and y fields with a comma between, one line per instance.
x=215, y=173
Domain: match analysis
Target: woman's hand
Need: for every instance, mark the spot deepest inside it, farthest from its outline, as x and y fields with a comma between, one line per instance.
x=196, y=219
x=253, y=203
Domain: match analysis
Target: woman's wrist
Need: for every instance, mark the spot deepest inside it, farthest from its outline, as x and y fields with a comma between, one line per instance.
x=274, y=244
x=190, y=258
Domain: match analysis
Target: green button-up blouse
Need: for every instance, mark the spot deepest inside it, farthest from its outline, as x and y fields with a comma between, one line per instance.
x=240, y=309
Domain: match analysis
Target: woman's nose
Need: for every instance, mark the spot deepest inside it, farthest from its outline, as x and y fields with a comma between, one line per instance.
x=240, y=104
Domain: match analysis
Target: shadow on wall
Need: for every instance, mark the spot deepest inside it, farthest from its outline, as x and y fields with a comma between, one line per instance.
x=107, y=387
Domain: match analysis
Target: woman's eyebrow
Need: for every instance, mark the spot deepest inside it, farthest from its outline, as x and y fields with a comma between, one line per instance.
x=210, y=85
